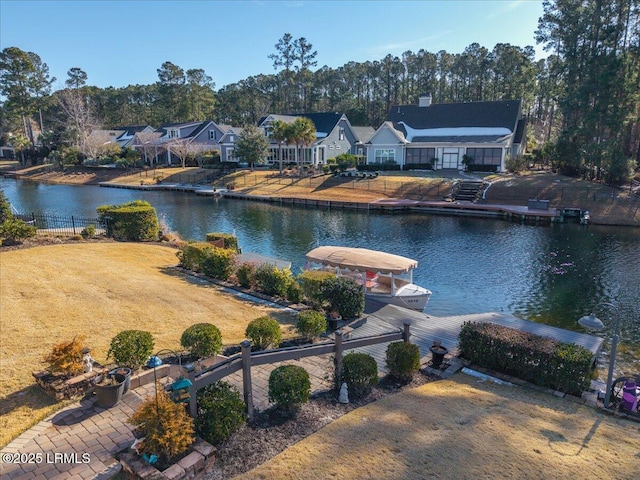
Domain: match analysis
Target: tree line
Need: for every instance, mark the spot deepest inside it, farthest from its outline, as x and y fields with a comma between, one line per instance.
x=582, y=100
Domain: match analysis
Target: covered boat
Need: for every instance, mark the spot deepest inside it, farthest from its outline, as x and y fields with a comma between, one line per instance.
x=386, y=277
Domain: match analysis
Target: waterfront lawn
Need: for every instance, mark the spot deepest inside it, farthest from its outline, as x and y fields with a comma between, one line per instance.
x=464, y=428
x=53, y=293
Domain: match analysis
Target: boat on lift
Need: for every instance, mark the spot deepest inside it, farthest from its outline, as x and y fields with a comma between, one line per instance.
x=386, y=277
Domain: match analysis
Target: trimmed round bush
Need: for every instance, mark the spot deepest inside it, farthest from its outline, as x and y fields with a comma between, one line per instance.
x=289, y=386
x=134, y=221
x=360, y=371
x=311, y=323
x=131, y=348
x=220, y=412
x=403, y=360
x=202, y=340
x=218, y=263
x=264, y=332
x=312, y=282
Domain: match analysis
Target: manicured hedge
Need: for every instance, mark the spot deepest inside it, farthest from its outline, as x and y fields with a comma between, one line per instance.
x=540, y=360
x=230, y=241
x=205, y=258
x=135, y=221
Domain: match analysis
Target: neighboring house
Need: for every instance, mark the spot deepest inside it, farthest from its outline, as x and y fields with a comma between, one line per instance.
x=125, y=139
x=417, y=136
x=202, y=136
x=227, y=143
x=334, y=135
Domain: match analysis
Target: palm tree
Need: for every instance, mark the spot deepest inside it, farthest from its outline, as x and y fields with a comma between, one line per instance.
x=303, y=133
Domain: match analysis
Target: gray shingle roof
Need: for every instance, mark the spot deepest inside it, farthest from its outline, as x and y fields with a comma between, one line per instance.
x=503, y=113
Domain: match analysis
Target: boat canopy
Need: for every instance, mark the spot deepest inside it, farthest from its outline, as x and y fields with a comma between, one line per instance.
x=361, y=259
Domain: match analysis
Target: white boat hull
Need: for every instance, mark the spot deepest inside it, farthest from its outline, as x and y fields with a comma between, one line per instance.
x=410, y=296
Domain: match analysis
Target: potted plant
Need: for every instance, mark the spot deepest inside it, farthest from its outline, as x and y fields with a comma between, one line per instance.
x=110, y=389
x=130, y=349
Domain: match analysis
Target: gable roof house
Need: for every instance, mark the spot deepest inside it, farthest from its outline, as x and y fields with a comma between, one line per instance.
x=203, y=136
x=334, y=135
x=445, y=135
x=125, y=139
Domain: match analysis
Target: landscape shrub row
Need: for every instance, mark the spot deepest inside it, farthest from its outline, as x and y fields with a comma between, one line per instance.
x=540, y=360
x=323, y=291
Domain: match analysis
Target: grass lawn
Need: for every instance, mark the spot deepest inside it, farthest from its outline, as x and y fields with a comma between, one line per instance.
x=53, y=293
x=464, y=429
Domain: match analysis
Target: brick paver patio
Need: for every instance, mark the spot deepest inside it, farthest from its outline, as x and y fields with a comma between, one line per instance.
x=81, y=441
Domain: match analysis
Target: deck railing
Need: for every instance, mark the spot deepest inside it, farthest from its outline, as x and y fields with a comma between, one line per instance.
x=246, y=359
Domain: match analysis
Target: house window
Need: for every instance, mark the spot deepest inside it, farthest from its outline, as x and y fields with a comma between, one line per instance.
x=174, y=133
x=212, y=134
x=231, y=138
x=485, y=156
x=230, y=155
x=385, y=155
x=420, y=156
x=341, y=134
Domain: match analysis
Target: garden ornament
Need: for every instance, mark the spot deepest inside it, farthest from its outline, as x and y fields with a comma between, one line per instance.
x=344, y=394
x=87, y=361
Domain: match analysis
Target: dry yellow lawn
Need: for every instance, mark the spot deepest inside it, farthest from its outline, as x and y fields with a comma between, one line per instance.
x=53, y=293
x=464, y=429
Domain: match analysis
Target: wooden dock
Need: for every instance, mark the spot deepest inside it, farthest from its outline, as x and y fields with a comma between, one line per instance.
x=426, y=328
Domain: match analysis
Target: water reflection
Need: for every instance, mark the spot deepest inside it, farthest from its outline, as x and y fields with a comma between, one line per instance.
x=552, y=275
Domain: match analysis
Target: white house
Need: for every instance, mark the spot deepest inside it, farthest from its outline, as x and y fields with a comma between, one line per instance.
x=443, y=135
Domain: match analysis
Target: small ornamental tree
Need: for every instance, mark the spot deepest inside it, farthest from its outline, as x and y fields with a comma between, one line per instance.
x=403, y=360
x=66, y=357
x=311, y=323
x=220, y=412
x=264, y=332
x=202, y=340
x=289, y=386
x=360, y=371
x=131, y=348
x=167, y=428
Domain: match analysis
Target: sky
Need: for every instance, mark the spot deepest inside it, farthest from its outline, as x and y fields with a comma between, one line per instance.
x=123, y=42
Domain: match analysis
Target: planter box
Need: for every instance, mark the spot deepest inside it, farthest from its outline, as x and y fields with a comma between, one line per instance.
x=60, y=388
x=197, y=463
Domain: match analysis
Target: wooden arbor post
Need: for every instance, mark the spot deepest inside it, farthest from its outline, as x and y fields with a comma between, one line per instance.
x=246, y=378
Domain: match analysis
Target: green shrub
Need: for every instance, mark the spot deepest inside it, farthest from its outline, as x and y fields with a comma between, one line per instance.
x=88, y=232
x=192, y=255
x=218, y=263
x=289, y=386
x=360, y=371
x=403, y=360
x=230, y=241
x=345, y=296
x=294, y=291
x=220, y=412
x=134, y=221
x=311, y=323
x=202, y=340
x=205, y=258
x=245, y=273
x=264, y=332
x=13, y=231
x=312, y=282
x=131, y=348
x=272, y=280
x=5, y=208
x=530, y=357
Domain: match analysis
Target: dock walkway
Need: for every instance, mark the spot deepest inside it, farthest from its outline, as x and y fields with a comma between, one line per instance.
x=427, y=328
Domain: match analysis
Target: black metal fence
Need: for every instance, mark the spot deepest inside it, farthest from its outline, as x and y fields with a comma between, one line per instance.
x=48, y=224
